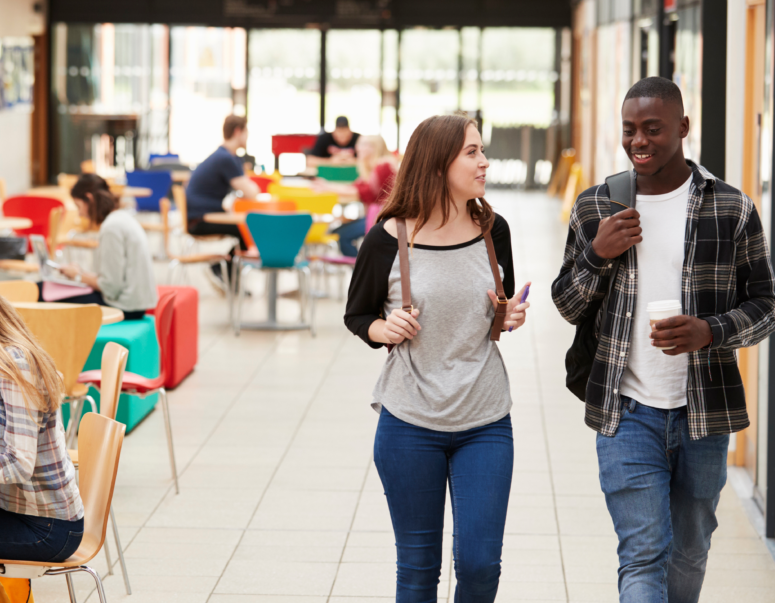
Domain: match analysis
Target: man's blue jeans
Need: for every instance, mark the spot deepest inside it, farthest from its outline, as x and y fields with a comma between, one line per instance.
x=348, y=234
x=662, y=489
x=414, y=465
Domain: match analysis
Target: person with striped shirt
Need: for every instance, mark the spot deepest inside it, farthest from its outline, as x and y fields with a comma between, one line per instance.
x=41, y=513
x=664, y=399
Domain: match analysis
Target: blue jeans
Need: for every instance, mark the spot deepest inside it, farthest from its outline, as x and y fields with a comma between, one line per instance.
x=30, y=538
x=414, y=465
x=348, y=234
x=662, y=489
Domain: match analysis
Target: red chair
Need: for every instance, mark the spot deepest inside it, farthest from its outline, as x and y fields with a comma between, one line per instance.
x=263, y=182
x=184, y=334
x=37, y=209
x=291, y=143
x=137, y=385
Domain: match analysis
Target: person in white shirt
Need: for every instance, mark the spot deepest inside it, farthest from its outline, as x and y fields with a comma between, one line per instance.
x=123, y=276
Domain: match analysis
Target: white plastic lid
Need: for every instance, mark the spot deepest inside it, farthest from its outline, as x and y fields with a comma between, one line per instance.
x=668, y=305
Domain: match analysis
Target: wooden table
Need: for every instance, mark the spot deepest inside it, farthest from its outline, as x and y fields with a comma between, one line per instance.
x=226, y=217
x=132, y=191
x=14, y=223
x=110, y=315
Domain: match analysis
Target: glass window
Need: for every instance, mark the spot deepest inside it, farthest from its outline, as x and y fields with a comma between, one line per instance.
x=284, y=91
x=109, y=85
x=688, y=76
x=207, y=75
x=352, y=79
x=429, y=77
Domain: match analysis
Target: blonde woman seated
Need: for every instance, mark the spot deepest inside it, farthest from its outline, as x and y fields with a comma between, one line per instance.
x=41, y=513
x=123, y=276
x=376, y=174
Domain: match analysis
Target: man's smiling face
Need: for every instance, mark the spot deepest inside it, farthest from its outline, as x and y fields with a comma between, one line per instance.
x=652, y=133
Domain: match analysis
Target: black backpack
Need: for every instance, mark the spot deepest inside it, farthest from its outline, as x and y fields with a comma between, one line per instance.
x=581, y=355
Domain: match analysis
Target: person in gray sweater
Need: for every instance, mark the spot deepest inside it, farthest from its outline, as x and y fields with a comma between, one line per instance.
x=123, y=276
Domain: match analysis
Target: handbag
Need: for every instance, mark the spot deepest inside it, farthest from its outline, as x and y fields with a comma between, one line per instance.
x=13, y=248
x=581, y=354
x=406, y=288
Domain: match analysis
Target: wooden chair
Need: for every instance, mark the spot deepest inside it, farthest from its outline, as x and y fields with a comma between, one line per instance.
x=140, y=386
x=100, y=444
x=183, y=260
x=3, y=190
x=114, y=357
x=67, y=332
x=19, y=291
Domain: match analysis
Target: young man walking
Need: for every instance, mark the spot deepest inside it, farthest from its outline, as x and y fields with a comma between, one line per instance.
x=664, y=400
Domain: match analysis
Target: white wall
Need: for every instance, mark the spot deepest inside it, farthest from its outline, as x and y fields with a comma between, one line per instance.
x=736, y=28
x=17, y=19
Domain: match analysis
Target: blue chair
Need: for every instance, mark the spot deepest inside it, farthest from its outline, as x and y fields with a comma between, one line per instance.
x=161, y=159
x=159, y=183
x=279, y=238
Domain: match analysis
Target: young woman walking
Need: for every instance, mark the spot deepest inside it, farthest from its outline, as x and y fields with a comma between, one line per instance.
x=443, y=395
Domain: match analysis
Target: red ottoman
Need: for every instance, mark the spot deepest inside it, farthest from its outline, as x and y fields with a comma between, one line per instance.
x=184, y=338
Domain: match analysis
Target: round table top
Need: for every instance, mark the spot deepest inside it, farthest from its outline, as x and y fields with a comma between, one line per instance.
x=225, y=217
x=14, y=223
x=132, y=191
x=109, y=315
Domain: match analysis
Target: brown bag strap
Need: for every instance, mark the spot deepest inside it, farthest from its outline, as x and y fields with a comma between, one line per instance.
x=403, y=261
x=406, y=289
x=500, y=311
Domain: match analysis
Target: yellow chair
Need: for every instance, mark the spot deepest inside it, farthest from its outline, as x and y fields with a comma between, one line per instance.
x=114, y=357
x=19, y=291
x=100, y=444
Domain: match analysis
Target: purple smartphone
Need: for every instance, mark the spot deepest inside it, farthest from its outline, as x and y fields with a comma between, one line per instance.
x=522, y=301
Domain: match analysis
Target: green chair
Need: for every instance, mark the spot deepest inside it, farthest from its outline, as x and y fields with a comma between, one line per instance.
x=338, y=173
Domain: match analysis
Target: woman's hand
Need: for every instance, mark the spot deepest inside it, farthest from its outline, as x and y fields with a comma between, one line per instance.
x=70, y=270
x=516, y=313
x=401, y=325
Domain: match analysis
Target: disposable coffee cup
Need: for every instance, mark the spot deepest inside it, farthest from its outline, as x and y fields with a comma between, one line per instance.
x=660, y=310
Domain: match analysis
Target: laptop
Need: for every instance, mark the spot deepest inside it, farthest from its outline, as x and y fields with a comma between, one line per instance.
x=49, y=270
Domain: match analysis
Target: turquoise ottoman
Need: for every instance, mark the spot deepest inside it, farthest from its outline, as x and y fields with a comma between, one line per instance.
x=139, y=337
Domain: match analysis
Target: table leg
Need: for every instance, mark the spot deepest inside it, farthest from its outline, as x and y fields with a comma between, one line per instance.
x=271, y=297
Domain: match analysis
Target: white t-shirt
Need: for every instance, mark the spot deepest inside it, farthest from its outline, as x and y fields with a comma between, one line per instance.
x=651, y=377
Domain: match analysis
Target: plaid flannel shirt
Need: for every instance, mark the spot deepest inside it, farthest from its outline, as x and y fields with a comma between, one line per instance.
x=37, y=476
x=727, y=280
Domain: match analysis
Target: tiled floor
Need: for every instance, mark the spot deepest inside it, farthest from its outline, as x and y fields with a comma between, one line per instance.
x=280, y=501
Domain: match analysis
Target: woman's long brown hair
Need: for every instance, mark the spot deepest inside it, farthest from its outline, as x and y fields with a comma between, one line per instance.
x=421, y=182
x=44, y=393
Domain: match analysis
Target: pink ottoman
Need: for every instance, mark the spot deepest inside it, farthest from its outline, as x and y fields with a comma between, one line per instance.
x=184, y=337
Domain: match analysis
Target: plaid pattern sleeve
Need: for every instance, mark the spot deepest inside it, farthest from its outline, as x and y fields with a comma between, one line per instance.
x=584, y=275
x=37, y=476
x=727, y=280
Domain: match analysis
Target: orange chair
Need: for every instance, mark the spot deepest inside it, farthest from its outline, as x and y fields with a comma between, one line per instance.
x=245, y=206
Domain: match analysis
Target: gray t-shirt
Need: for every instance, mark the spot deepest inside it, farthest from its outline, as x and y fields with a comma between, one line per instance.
x=450, y=377
x=123, y=263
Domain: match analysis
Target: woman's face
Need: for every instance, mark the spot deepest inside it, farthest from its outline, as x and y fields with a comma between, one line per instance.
x=83, y=208
x=466, y=175
x=364, y=148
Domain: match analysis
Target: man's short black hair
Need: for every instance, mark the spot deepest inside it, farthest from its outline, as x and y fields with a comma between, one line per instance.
x=342, y=122
x=657, y=87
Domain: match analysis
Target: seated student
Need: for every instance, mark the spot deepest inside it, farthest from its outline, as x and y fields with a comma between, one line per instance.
x=41, y=513
x=124, y=269
x=214, y=179
x=335, y=148
x=376, y=175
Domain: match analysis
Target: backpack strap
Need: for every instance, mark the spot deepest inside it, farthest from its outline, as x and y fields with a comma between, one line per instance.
x=621, y=195
x=403, y=263
x=500, y=311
